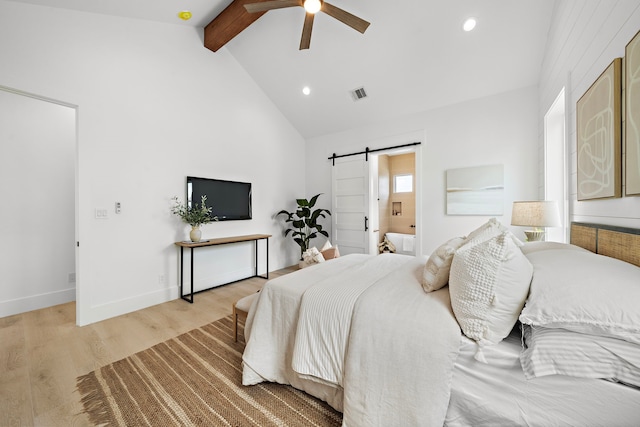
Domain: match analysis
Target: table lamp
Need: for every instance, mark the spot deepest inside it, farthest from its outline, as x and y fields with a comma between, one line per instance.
x=536, y=214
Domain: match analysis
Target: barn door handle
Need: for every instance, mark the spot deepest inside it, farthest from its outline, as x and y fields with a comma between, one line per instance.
x=366, y=223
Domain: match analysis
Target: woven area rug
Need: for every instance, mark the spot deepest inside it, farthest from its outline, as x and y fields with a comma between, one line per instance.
x=194, y=379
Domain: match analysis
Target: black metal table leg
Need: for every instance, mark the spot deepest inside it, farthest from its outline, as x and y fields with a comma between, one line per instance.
x=191, y=300
x=182, y=276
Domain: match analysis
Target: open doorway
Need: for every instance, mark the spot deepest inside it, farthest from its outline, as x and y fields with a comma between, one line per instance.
x=396, y=203
x=355, y=207
x=37, y=180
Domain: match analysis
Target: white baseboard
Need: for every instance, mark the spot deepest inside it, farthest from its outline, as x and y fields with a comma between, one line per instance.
x=128, y=305
x=119, y=307
x=36, y=302
x=138, y=302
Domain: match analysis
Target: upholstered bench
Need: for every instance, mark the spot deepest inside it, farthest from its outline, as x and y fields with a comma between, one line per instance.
x=240, y=310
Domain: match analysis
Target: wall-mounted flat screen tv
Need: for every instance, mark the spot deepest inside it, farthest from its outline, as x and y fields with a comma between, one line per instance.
x=229, y=200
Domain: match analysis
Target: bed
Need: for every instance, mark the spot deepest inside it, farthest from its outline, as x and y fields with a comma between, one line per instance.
x=485, y=331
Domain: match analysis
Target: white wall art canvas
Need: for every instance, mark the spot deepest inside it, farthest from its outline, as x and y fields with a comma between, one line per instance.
x=475, y=190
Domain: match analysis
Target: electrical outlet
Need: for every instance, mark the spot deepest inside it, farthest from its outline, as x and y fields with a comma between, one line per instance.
x=161, y=279
x=72, y=277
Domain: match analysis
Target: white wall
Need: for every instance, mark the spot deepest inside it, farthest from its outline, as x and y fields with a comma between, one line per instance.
x=500, y=129
x=584, y=38
x=153, y=107
x=37, y=168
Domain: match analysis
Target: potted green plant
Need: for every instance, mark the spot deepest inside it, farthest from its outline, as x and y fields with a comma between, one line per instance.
x=194, y=215
x=304, y=222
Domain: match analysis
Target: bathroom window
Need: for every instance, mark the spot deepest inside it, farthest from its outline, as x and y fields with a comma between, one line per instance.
x=403, y=183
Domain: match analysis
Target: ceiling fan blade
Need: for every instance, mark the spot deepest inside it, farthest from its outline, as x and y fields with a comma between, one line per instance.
x=345, y=17
x=269, y=5
x=305, y=42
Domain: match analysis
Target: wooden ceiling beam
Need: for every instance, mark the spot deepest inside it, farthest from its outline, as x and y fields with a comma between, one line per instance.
x=229, y=23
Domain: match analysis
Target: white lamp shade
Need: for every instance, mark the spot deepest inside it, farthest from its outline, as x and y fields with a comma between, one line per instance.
x=535, y=214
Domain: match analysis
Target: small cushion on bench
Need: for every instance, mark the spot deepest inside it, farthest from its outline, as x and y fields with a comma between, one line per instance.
x=244, y=304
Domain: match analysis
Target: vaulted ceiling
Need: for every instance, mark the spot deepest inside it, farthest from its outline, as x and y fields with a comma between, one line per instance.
x=413, y=57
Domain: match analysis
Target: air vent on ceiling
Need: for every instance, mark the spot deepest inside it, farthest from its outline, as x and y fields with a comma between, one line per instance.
x=358, y=94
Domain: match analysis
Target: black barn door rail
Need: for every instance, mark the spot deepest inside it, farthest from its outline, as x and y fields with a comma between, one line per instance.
x=367, y=151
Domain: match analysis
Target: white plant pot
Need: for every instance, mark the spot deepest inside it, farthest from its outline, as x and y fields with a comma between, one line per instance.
x=196, y=234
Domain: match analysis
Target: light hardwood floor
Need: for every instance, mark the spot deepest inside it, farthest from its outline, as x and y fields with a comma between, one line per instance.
x=42, y=352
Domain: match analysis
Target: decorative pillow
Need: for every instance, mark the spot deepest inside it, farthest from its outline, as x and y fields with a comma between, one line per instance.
x=436, y=270
x=330, y=253
x=310, y=257
x=386, y=245
x=327, y=245
x=551, y=351
x=584, y=292
x=488, y=283
x=489, y=229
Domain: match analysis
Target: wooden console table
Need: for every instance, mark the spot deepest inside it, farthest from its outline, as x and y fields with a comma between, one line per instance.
x=214, y=242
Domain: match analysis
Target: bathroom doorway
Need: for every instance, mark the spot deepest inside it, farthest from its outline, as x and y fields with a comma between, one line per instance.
x=396, y=203
x=356, y=206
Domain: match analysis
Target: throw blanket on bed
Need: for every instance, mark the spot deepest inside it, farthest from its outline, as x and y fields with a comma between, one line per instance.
x=399, y=364
x=324, y=321
x=393, y=351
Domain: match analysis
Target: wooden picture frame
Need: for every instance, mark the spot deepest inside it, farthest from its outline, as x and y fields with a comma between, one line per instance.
x=599, y=136
x=632, y=117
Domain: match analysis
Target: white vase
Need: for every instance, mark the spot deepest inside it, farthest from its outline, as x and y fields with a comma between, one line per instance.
x=195, y=234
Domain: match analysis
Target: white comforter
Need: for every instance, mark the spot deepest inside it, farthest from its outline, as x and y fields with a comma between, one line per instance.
x=360, y=333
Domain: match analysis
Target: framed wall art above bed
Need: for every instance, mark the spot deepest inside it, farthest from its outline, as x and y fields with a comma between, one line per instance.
x=476, y=190
x=632, y=117
x=599, y=137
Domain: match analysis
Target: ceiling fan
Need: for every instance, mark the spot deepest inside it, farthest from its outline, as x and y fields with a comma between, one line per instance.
x=311, y=7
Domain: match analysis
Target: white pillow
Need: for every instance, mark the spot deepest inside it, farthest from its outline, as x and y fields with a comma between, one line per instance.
x=531, y=247
x=584, y=292
x=555, y=351
x=490, y=229
x=488, y=283
x=310, y=257
x=436, y=270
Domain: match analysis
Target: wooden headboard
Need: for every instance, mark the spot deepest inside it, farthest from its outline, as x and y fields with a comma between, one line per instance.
x=616, y=242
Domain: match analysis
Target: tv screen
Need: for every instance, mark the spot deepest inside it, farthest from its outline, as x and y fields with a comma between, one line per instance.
x=229, y=200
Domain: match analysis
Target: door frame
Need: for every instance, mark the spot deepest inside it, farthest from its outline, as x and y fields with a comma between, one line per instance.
x=417, y=150
x=76, y=182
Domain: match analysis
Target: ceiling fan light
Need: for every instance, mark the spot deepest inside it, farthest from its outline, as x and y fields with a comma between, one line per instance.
x=312, y=6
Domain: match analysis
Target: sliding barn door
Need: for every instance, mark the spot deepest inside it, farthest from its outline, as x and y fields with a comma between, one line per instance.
x=350, y=205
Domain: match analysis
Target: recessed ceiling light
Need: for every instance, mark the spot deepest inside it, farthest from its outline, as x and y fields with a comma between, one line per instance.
x=469, y=24
x=306, y=90
x=185, y=15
